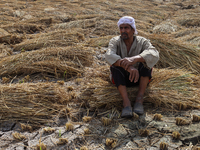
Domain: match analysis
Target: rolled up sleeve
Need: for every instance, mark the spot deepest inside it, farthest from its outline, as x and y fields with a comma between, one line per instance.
x=150, y=54
x=111, y=54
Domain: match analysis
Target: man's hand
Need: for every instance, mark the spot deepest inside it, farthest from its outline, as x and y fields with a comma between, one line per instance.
x=134, y=74
x=129, y=61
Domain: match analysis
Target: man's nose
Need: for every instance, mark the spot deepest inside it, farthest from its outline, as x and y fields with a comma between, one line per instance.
x=123, y=30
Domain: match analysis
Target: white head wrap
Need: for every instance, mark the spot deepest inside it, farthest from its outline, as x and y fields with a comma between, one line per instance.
x=127, y=20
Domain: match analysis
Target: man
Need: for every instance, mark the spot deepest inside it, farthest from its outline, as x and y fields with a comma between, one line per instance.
x=131, y=58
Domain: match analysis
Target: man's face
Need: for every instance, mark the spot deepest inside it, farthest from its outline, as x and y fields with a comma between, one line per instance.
x=126, y=31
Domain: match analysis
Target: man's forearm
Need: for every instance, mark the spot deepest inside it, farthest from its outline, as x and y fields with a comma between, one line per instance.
x=137, y=58
x=117, y=63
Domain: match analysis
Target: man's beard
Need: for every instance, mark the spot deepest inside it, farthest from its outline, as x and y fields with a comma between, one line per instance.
x=124, y=36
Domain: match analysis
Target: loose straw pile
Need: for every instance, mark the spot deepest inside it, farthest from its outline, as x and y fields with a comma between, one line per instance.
x=57, y=61
x=33, y=102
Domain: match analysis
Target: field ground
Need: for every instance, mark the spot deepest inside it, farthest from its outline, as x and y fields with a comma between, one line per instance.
x=54, y=81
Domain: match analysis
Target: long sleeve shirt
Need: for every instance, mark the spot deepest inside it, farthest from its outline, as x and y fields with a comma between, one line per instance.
x=141, y=46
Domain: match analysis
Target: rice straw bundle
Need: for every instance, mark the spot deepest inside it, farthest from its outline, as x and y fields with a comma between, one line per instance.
x=176, y=56
x=86, y=23
x=101, y=41
x=33, y=102
x=51, y=39
x=58, y=61
x=168, y=89
x=28, y=28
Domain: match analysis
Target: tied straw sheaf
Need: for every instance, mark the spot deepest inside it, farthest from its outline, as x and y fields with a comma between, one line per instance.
x=54, y=61
x=39, y=102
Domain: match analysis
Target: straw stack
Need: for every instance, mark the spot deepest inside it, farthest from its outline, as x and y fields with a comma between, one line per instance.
x=34, y=102
x=57, y=61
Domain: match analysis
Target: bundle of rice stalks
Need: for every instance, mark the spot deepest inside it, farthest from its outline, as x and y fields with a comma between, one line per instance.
x=168, y=88
x=41, y=146
x=87, y=131
x=86, y=118
x=61, y=62
x=51, y=39
x=69, y=126
x=176, y=56
x=83, y=148
x=182, y=121
x=143, y=132
x=36, y=103
x=101, y=41
x=86, y=23
x=48, y=130
x=157, y=117
x=176, y=135
x=111, y=142
x=172, y=87
x=28, y=28
x=62, y=141
x=26, y=127
x=106, y=121
x=18, y=136
x=195, y=118
x=163, y=146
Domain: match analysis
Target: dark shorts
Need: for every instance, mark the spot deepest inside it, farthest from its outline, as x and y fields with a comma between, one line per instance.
x=121, y=76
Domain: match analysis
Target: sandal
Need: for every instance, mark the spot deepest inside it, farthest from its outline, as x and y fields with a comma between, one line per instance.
x=138, y=108
x=127, y=112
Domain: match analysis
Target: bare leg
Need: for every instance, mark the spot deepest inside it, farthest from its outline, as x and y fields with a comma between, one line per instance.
x=124, y=94
x=142, y=87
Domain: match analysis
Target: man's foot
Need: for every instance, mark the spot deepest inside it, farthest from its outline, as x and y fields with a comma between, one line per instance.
x=127, y=112
x=138, y=108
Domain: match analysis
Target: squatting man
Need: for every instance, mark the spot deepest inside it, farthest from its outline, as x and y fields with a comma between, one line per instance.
x=131, y=59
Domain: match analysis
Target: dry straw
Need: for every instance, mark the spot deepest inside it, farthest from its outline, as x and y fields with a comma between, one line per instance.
x=168, y=88
x=51, y=39
x=18, y=136
x=62, y=141
x=176, y=56
x=61, y=62
x=36, y=103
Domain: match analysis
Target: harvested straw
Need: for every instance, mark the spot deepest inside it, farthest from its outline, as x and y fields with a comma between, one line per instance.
x=83, y=148
x=28, y=28
x=106, y=121
x=176, y=56
x=41, y=146
x=62, y=141
x=168, y=89
x=86, y=23
x=176, y=135
x=48, y=130
x=195, y=118
x=51, y=39
x=18, y=136
x=62, y=62
x=87, y=131
x=111, y=142
x=101, y=41
x=157, y=117
x=143, y=132
x=163, y=146
x=36, y=103
x=26, y=127
x=182, y=121
x=86, y=118
x=69, y=126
